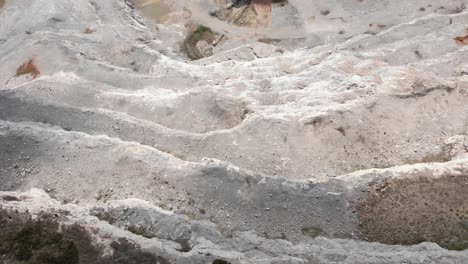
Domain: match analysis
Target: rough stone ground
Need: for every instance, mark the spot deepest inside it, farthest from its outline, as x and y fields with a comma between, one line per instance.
x=350, y=126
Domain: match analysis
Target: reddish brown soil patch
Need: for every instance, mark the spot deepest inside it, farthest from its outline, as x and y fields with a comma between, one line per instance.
x=2, y=3
x=89, y=30
x=262, y=7
x=461, y=40
x=263, y=10
x=411, y=211
x=28, y=68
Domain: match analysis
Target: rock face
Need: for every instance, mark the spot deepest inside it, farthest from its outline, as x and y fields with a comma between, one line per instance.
x=346, y=126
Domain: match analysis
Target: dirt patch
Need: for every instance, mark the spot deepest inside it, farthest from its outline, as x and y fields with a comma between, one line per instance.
x=28, y=68
x=154, y=9
x=312, y=232
x=34, y=241
x=2, y=3
x=89, y=30
x=199, y=43
x=9, y=198
x=43, y=241
x=220, y=261
x=461, y=40
x=262, y=9
x=411, y=211
x=254, y=13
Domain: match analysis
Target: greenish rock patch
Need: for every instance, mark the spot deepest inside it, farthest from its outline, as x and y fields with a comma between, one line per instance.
x=201, y=34
x=312, y=231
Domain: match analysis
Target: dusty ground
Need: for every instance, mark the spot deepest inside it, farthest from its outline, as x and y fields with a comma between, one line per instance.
x=416, y=209
x=340, y=124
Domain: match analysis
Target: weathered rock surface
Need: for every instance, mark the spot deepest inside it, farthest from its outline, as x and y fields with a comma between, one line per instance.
x=177, y=239
x=304, y=151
